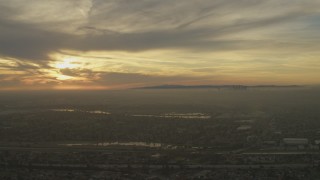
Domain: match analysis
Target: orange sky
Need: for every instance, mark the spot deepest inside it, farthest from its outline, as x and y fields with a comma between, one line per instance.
x=86, y=44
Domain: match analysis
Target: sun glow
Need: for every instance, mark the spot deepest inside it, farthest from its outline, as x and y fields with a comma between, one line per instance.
x=67, y=63
x=64, y=77
x=64, y=63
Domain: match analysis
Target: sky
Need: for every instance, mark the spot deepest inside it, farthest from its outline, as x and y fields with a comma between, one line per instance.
x=118, y=44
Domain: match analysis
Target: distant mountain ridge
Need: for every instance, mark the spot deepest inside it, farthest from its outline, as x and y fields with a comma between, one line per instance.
x=216, y=86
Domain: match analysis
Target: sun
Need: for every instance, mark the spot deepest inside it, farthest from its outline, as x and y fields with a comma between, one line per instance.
x=67, y=63
x=64, y=63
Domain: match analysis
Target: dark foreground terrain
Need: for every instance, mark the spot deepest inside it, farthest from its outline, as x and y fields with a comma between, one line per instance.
x=259, y=133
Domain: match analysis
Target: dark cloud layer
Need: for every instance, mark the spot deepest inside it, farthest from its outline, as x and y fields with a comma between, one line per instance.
x=34, y=41
x=24, y=41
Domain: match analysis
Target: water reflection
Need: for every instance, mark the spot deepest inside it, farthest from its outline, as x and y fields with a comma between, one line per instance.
x=78, y=110
x=177, y=115
x=97, y=112
x=137, y=144
x=63, y=110
x=140, y=144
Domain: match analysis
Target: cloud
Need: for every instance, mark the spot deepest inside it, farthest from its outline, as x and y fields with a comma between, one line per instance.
x=26, y=42
x=31, y=31
x=134, y=26
x=26, y=81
